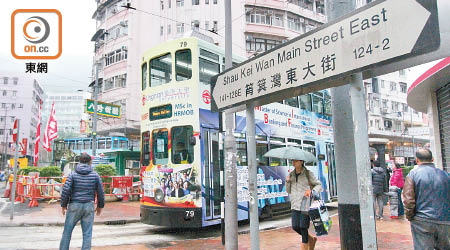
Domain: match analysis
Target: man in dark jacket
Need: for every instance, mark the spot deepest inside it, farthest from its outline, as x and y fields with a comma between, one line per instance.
x=379, y=184
x=426, y=197
x=79, y=194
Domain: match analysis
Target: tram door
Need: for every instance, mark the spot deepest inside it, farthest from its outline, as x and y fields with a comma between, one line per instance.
x=331, y=170
x=211, y=170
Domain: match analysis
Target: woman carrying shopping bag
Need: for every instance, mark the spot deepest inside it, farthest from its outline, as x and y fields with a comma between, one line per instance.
x=302, y=185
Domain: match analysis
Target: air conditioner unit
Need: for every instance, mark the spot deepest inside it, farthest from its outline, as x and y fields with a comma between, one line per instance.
x=124, y=48
x=270, y=12
x=248, y=37
x=284, y=41
x=123, y=23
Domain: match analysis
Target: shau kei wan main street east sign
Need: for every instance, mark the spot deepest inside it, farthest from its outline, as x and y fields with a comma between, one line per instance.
x=379, y=33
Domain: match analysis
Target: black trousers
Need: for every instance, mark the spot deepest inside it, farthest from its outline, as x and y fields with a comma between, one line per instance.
x=300, y=224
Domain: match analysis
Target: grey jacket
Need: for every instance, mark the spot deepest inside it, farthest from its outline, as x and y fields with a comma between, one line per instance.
x=426, y=194
x=378, y=180
x=297, y=187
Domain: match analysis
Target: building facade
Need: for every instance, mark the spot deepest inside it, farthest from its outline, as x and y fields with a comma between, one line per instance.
x=390, y=118
x=68, y=107
x=123, y=35
x=20, y=97
x=430, y=93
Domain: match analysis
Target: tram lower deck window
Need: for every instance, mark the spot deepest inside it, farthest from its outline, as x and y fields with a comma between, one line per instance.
x=160, y=146
x=182, y=146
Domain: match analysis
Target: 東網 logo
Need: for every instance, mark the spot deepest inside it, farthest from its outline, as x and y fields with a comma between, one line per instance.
x=36, y=34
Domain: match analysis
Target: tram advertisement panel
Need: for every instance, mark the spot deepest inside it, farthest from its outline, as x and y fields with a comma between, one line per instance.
x=284, y=121
x=171, y=176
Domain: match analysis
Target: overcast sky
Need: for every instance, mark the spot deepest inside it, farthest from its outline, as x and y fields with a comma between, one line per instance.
x=72, y=70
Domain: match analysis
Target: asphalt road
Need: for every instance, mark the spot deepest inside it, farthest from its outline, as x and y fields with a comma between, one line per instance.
x=48, y=237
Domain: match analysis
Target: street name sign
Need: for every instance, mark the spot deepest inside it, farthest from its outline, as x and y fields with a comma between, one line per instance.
x=103, y=108
x=379, y=33
x=414, y=131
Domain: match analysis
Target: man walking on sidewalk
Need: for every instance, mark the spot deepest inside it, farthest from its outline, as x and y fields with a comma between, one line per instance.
x=79, y=193
x=426, y=195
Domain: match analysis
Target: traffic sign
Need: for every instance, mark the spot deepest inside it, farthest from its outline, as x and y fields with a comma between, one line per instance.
x=103, y=108
x=379, y=33
x=15, y=131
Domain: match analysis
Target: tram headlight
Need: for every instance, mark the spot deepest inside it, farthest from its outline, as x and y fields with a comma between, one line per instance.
x=159, y=195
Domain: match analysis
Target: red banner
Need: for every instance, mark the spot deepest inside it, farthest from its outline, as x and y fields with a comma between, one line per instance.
x=14, y=131
x=51, y=132
x=122, y=182
x=23, y=146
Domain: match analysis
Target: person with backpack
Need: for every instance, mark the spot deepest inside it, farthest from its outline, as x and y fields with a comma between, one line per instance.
x=379, y=187
x=301, y=183
x=77, y=199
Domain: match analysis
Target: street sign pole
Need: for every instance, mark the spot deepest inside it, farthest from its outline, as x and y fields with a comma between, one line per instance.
x=252, y=176
x=16, y=156
x=355, y=204
x=94, y=122
x=231, y=222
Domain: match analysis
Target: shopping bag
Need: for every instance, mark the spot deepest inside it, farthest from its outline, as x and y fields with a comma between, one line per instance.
x=319, y=216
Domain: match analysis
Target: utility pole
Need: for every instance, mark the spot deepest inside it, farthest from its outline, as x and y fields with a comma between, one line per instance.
x=5, y=134
x=252, y=177
x=16, y=157
x=231, y=229
x=355, y=205
x=94, y=122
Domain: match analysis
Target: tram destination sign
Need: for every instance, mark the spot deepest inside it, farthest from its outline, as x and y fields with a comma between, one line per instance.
x=380, y=33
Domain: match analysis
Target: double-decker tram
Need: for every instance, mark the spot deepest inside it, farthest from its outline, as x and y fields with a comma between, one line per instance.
x=182, y=145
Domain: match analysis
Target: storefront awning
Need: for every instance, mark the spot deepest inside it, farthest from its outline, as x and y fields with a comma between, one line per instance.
x=434, y=78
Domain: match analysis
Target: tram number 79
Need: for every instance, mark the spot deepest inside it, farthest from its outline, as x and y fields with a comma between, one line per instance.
x=190, y=214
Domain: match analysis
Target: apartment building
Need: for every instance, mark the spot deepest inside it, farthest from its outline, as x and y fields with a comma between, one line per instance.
x=20, y=97
x=390, y=117
x=123, y=34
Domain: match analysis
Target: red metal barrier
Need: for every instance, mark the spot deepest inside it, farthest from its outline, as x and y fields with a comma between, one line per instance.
x=35, y=188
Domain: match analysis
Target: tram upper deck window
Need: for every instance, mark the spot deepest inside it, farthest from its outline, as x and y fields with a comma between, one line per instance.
x=209, y=55
x=183, y=64
x=317, y=101
x=305, y=102
x=101, y=143
x=145, y=157
x=108, y=143
x=293, y=102
x=160, y=144
x=207, y=70
x=144, y=76
x=160, y=70
x=123, y=144
x=182, y=145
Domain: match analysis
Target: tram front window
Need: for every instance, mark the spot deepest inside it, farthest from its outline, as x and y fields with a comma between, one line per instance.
x=160, y=141
x=182, y=148
x=183, y=64
x=161, y=70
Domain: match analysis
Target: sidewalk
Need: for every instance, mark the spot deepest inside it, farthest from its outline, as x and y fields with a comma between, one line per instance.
x=392, y=234
x=50, y=214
